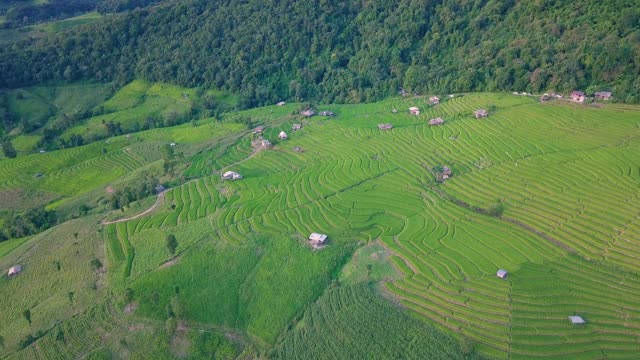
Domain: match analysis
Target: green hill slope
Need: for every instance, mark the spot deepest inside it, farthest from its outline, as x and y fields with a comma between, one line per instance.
x=543, y=190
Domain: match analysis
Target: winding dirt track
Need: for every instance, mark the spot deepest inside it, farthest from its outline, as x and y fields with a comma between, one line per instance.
x=155, y=205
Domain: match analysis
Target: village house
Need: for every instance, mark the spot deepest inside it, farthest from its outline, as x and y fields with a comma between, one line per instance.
x=265, y=144
x=231, y=175
x=577, y=96
x=481, y=113
x=317, y=240
x=414, y=110
x=603, y=95
x=172, y=144
x=395, y=111
x=296, y=127
x=298, y=149
x=258, y=130
x=434, y=100
x=281, y=103
x=326, y=113
x=308, y=113
x=577, y=320
x=437, y=121
x=502, y=274
x=283, y=135
x=385, y=126
x=14, y=270
x=159, y=188
x=545, y=97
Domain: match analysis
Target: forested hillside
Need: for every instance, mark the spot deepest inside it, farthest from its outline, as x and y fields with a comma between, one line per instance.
x=349, y=51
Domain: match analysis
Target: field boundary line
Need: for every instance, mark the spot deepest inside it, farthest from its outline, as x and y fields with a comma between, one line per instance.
x=153, y=207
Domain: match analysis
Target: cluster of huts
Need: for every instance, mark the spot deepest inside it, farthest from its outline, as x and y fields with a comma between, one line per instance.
x=578, y=96
x=311, y=112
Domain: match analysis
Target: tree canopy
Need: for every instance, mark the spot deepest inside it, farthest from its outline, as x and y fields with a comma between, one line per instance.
x=347, y=51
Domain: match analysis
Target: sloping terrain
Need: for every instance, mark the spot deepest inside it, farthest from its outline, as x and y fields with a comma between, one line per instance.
x=543, y=190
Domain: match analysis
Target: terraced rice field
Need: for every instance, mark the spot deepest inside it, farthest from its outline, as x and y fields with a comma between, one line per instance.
x=567, y=176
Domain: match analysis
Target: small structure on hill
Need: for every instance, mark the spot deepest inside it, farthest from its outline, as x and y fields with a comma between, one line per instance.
x=545, y=97
x=395, y=111
x=14, y=270
x=403, y=92
x=434, y=100
x=159, y=188
x=502, y=274
x=231, y=175
x=298, y=149
x=603, y=95
x=172, y=144
x=414, y=110
x=37, y=175
x=308, y=113
x=577, y=96
x=265, y=144
x=317, y=240
x=385, y=126
x=327, y=113
x=481, y=113
x=446, y=173
x=281, y=103
x=577, y=320
x=42, y=151
x=437, y=121
x=283, y=135
x=258, y=130
x=296, y=127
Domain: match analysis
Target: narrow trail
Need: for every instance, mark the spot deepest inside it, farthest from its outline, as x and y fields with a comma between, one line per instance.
x=155, y=205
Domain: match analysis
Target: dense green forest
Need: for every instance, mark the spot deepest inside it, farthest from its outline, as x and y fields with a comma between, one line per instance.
x=349, y=51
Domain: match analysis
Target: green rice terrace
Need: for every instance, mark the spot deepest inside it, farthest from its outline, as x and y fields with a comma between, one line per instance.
x=548, y=191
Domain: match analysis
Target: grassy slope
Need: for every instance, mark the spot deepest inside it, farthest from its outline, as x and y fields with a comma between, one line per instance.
x=242, y=262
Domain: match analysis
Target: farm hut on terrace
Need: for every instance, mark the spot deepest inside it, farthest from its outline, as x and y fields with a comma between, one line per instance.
x=327, y=113
x=265, y=144
x=308, y=113
x=603, y=95
x=14, y=270
x=281, y=103
x=298, y=149
x=434, y=100
x=159, y=188
x=577, y=320
x=414, y=110
x=502, y=274
x=258, y=130
x=481, y=113
x=577, y=96
x=296, y=127
x=231, y=175
x=317, y=240
x=385, y=126
x=446, y=173
x=395, y=111
x=437, y=121
x=283, y=135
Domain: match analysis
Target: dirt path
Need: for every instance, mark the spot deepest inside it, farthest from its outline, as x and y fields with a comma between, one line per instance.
x=155, y=205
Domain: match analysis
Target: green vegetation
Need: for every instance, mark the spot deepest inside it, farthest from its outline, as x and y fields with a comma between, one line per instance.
x=351, y=51
x=354, y=322
x=409, y=260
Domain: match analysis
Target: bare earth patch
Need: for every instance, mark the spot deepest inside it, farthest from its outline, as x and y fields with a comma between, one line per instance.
x=169, y=263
